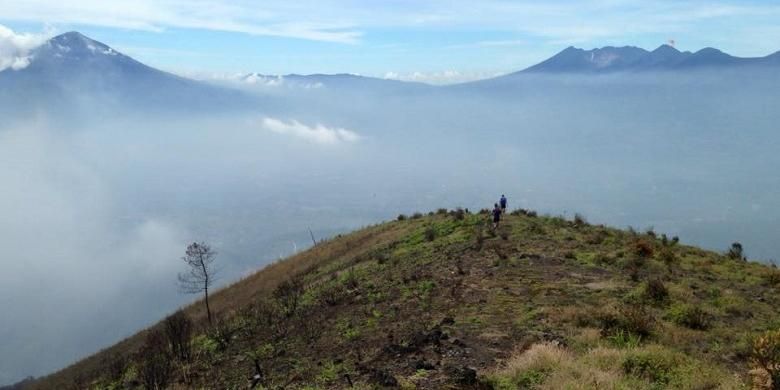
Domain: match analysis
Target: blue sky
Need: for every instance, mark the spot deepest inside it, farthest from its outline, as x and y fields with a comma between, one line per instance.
x=436, y=40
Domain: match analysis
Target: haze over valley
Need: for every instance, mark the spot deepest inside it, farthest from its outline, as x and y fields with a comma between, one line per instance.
x=110, y=167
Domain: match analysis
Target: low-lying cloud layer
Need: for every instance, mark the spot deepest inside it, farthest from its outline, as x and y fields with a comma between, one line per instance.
x=68, y=253
x=15, y=48
x=318, y=133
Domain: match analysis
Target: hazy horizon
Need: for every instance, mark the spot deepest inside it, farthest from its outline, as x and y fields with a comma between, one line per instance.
x=111, y=168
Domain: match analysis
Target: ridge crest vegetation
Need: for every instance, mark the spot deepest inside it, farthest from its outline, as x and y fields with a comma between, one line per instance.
x=444, y=301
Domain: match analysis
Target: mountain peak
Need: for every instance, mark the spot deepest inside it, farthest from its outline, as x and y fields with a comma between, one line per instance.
x=573, y=59
x=666, y=48
x=73, y=43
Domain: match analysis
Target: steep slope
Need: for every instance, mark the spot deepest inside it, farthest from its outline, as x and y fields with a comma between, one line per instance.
x=72, y=71
x=441, y=301
x=573, y=59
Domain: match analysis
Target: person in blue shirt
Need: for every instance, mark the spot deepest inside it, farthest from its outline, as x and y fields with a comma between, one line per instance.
x=502, y=202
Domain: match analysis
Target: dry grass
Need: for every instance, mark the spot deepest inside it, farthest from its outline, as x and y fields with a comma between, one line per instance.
x=405, y=284
x=239, y=294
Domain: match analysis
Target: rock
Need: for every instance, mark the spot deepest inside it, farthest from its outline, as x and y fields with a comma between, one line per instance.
x=383, y=378
x=462, y=375
x=422, y=364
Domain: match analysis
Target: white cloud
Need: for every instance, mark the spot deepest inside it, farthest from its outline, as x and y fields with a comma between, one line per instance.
x=15, y=48
x=441, y=77
x=246, y=17
x=344, y=21
x=318, y=134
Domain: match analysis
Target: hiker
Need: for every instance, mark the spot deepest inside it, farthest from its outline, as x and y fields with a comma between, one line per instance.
x=502, y=202
x=496, y=216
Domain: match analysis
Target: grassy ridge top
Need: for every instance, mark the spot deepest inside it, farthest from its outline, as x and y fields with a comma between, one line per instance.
x=442, y=301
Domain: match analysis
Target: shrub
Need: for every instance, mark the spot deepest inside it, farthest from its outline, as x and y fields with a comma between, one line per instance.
x=631, y=319
x=690, y=316
x=429, y=233
x=650, y=232
x=634, y=265
x=765, y=357
x=479, y=237
x=772, y=277
x=667, y=256
x=642, y=248
x=288, y=294
x=417, y=215
x=736, y=252
x=579, y=220
x=154, y=363
x=222, y=333
x=114, y=366
x=459, y=214
x=401, y=217
x=484, y=211
x=623, y=339
x=442, y=211
x=178, y=329
x=332, y=295
x=654, y=365
x=654, y=290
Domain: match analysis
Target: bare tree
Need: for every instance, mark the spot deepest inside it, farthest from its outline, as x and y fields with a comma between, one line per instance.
x=199, y=257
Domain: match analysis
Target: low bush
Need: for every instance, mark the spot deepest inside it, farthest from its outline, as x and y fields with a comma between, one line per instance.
x=654, y=365
x=654, y=290
x=114, y=366
x=772, y=277
x=765, y=359
x=642, y=248
x=690, y=316
x=178, y=329
x=459, y=214
x=154, y=362
x=429, y=233
x=416, y=215
x=667, y=256
x=736, y=252
x=630, y=319
x=401, y=217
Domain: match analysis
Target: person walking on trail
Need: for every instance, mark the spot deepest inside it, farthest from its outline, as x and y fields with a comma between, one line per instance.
x=502, y=202
x=496, y=216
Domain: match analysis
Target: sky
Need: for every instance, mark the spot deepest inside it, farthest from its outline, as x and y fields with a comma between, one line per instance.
x=436, y=41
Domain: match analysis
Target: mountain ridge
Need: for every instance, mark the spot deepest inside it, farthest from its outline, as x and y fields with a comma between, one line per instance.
x=633, y=59
x=443, y=301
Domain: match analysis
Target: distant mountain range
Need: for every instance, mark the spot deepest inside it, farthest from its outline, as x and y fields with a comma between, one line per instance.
x=71, y=73
x=634, y=59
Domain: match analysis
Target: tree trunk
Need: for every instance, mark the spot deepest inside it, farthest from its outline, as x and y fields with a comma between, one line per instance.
x=208, y=309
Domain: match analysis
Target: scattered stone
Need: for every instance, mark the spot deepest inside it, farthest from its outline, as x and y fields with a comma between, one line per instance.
x=422, y=364
x=383, y=378
x=462, y=375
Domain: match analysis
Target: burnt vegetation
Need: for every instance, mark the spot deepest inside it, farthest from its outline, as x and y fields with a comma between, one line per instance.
x=443, y=301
